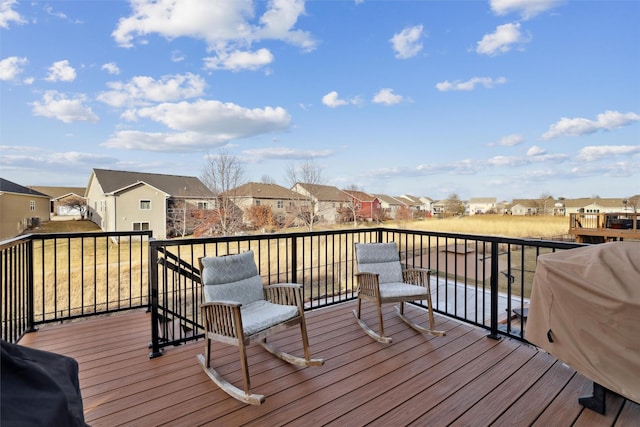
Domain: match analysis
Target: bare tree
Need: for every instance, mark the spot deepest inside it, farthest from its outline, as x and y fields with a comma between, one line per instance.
x=545, y=203
x=76, y=203
x=453, y=205
x=223, y=173
x=266, y=179
x=308, y=173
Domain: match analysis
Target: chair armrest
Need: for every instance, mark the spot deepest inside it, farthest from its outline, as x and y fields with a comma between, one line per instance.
x=222, y=318
x=284, y=294
x=417, y=276
x=368, y=284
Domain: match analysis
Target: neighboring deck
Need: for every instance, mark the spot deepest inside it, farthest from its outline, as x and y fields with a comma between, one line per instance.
x=464, y=378
x=604, y=227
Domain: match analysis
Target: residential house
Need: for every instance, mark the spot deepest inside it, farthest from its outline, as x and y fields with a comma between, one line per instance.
x=20, y=208
x=124, y=201
x=284, y=203
x=482, y=205
x=364, y=206
x=524, y=207
x=326, y=201
x=594, y=205
x=65, y=201
x=427, y=205
x=414, y=204
x=390, y=206
x=439, y=207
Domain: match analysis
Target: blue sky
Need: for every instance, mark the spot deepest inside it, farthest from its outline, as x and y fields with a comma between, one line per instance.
x=494, y=98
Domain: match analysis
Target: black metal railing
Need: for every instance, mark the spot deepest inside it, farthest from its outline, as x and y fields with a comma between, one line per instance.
x=57, y=277
x=477, y=279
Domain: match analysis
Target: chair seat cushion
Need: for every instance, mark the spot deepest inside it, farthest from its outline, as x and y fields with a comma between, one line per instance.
x=261, y=315
x=398, y=289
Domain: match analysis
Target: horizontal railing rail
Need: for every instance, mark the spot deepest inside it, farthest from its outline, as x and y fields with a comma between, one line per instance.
x=476, y=279
x=62, y=276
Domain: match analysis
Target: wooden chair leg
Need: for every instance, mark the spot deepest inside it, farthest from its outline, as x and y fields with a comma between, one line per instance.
x=245, y=368
x=380, y=322
x=207, y=352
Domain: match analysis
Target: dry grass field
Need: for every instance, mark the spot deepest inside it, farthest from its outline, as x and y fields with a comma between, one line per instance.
x=545, y=227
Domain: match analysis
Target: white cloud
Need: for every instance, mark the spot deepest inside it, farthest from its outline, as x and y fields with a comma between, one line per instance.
x=49, y=10
x=11, y=67
x=284, y=153
x=279, y=21
x=592, y=153
x=177, y=56
x=470, y=84
x=8, y=15
x=56, y=105
x=508, y=141
x=526, y=8
x=535, y=151
x=578, y=126
x=506, y=161
x=240, y=60
x=501, y=40
x=163, y=141
x=386, y=96
x=199, y=125
x=217, y=118
x=141, y=90
x=333, y=100
x=225, y=27
x=111, y=68
x=406, y=43
x=61, y=71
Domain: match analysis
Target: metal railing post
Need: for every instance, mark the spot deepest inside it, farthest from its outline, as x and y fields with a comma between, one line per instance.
x=294, y=261
x=494, y=291
x=153, y=299
x=30, y=293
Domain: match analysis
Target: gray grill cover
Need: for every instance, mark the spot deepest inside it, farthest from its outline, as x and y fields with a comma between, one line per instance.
x=589, y=298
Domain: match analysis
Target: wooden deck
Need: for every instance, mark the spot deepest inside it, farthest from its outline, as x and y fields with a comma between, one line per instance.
x=464, y=378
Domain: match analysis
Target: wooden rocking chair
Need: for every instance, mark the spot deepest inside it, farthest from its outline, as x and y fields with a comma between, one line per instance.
x=381, y=280
x=240, y=310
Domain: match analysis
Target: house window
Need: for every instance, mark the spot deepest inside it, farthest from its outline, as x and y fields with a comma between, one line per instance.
x=140, y=226
x=32, y=205
x=145, y=205
x=203, y=205
x=280, y=204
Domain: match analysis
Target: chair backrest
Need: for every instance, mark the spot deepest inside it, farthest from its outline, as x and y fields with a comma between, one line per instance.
x=380, y=258
x=231, y=278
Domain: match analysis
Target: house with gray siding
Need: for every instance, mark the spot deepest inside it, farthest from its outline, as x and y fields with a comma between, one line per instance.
x=133, y=201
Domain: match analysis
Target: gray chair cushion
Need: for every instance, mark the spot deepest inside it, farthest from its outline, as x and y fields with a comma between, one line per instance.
x=232, y=278
x=380, y=258
x=261, y=315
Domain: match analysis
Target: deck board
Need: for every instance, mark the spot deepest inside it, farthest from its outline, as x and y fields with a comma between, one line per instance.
x=463, y=378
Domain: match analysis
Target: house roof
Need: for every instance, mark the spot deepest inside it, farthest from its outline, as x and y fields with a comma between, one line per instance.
x=58, y=192
x=360, y=195
x=410, y=200
x=325, y=193
x=265, y=191
x=389, y=199
x=11, y=187
x=586, y=201
x=528, y=203
x=174, y=185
